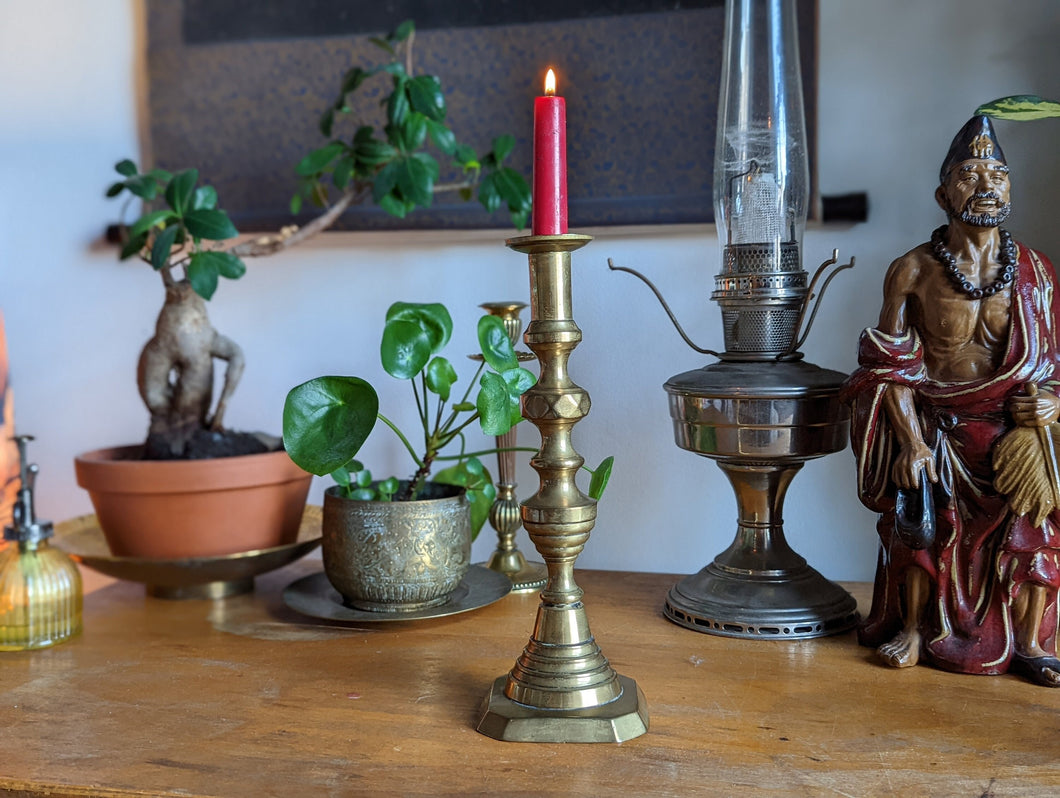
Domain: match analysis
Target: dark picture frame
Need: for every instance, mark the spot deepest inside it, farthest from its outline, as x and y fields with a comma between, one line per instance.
x=236, y=89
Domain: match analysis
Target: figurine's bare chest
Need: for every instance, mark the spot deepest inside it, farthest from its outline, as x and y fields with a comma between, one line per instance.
x=964, y=338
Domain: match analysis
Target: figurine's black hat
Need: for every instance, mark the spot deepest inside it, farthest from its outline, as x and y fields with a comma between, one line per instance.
x=975, y=140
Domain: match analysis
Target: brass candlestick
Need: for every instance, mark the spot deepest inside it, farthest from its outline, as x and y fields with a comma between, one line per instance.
x=504, y=514
x=562, y=688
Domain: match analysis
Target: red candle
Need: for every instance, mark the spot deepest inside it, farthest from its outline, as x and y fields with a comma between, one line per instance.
x=549, y=215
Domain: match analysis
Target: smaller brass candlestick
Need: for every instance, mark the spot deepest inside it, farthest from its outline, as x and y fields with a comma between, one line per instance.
x=504, y=514
x=562, y=688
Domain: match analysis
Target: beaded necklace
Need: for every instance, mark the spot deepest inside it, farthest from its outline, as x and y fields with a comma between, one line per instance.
x=1007, y=259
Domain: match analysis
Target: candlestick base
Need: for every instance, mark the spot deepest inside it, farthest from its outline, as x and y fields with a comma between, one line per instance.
x=525, y=576
x=622, y=719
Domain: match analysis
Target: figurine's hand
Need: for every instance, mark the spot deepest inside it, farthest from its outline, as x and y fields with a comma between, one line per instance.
x=1035, y=410
x=911, y=459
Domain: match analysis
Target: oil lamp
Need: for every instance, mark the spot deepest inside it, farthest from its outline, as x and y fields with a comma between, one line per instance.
x=760, y=411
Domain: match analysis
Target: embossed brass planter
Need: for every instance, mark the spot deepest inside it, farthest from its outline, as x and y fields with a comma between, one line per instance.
x=562, y=688
x=397, y=556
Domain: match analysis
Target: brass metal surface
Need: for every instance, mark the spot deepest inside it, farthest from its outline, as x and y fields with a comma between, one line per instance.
x=504, y=514
x=314, y=596
x=561, y=688
x=194, y=577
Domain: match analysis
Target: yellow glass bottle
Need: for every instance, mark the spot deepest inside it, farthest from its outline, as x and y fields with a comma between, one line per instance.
x=40, y=586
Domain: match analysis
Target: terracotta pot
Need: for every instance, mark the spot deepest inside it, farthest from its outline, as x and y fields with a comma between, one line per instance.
x=170, y=509
x=397, y=556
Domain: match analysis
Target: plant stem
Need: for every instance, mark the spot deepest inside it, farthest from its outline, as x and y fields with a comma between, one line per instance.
x=486, y=451
x=404, y=440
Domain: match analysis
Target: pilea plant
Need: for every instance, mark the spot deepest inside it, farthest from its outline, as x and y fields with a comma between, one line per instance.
x=328, y=419
x=181, y=230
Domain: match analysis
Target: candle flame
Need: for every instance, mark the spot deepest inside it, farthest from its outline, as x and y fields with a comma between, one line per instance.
x=550, y=83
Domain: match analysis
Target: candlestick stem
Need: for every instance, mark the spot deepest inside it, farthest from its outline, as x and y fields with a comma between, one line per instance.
x=561, y=688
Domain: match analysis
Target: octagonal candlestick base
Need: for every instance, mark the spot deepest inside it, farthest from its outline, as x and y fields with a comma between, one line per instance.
x=561, y=689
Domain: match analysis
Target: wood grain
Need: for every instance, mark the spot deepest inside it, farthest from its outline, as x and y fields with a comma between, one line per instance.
x=244, y=697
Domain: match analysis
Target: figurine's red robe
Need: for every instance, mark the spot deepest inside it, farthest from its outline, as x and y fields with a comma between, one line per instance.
x=982, y=552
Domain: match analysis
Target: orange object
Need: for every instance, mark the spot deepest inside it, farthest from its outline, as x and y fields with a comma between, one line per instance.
x=171, y=509
x=8, y=452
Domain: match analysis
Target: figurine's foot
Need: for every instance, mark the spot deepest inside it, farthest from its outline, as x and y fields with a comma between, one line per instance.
x=1040, y=670
x=903, y=651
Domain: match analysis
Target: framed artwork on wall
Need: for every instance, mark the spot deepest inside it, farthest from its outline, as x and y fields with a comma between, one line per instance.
x=236, y=88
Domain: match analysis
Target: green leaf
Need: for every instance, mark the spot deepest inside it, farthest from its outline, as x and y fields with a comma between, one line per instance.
x=327, y=420
x=224, y=263
x=440, y=377
x=463, y=407
x=394, y=206
x=519, y=381
x=326, y=123
x=202, y=274
x=204, y=197
x=385, y=181
x=211, y=224
x=352, y=80
x=466, y=193
x=476, y=480
x=495, y=345
x=342, y=173
x=413, y=132
x=503, y=146
x=341, y=475
x=444, y=138
x=318, y=160
x=133, y=246
x=1021, y=107
x=363, y=134
x=464, y=154
x=428, y=161
x=488, y=194
x=601, y=476
x=493, y=404
x=397, y=105
x=160, y=175
x=405, y=349
x=363, y=494
x=388, y=487
x=520, y=219
x=181, y=189
x=402, y=31
x=382, y=44
x=115, y=189
x=513, y=189
x=125, y=168
x=414, y=180
x=433, y=318
x=372, y=152
x=149, y=220
x=143, y=187
x=163, y=246
x=425, y=95
x=363, y=477
x=296, y=204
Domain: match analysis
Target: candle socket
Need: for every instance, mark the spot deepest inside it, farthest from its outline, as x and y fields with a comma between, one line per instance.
x=504, y=513
x=561, y=688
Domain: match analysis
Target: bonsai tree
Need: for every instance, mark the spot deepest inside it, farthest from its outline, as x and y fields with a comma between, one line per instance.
x=328, y=419
x=181, y=233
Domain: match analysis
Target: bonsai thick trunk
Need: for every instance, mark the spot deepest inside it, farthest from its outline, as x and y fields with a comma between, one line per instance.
x=175, y=373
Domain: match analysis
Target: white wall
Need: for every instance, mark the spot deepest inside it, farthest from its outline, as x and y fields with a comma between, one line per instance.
x=897, y=81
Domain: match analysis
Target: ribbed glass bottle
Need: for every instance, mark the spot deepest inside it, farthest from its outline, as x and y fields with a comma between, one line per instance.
x=40, y=596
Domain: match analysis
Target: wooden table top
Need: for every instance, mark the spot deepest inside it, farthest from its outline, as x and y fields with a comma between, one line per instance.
x=243, y=697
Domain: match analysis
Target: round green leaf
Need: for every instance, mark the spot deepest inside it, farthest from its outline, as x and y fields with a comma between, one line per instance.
x=493, y=404
x=425, y=95
x=327, y=420
x=125, y=168
x=433, y=318
x=440, y=377
x=495, y=344
x=405, y=349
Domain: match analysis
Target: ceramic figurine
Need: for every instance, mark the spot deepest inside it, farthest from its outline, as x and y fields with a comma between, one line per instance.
x=952, y=402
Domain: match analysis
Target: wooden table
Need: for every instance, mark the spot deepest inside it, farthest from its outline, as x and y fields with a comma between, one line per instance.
x=245, y=698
